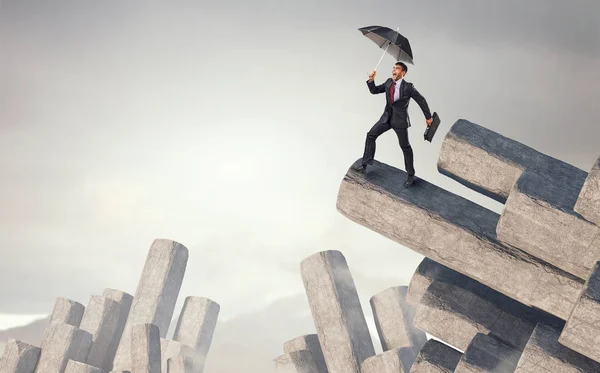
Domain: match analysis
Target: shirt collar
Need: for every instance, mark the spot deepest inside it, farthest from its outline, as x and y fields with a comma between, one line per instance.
x=399, y=81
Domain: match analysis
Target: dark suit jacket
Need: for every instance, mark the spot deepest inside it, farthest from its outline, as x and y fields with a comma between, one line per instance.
x=396, y=113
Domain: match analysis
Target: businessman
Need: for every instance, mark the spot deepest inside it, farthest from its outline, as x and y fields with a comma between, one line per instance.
x=395, y=115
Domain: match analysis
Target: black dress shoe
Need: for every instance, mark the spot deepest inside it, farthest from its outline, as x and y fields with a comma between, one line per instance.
x=409, y=181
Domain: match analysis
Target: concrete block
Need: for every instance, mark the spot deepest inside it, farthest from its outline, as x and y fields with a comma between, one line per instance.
x=79, y=367
x=196, y=325
x=454, y=232
x=456, y=315
x=169, y=349
x=390, y=361
x=145, y=349
x=19, y=357
x=538, y=219
x=63, y=343
x=156, y=294
x=588, y=201
x=67, y=311
x=311, y=343
x=545, y=353
x=296, y=362
x=436, y=357
x=491, y=164
x=180, y=364
x=581, y=332
x=124, y=300
x=394, y=320
x=337, y=312
x=101, y=319
x=488, y=354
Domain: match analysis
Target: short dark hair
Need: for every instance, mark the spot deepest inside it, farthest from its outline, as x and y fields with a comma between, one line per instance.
x=404, y=67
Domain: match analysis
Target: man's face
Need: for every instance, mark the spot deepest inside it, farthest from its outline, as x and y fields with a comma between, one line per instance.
x=397, y=72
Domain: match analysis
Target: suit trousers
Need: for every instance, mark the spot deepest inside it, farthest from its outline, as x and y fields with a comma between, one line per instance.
x=402, y=133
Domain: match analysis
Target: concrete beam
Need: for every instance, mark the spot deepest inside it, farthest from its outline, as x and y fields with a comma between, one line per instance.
x=454, y=232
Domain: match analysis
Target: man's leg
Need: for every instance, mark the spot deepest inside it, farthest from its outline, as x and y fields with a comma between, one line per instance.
x=372, y=136
x=408, y=154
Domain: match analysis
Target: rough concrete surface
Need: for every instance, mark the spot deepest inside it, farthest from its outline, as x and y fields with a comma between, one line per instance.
x=454, y=232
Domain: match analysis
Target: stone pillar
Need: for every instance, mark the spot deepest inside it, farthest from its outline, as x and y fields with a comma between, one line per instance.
x=588, y=201
x=169, y=349
x=311, y=343
x=101, y=319
x=456, y=315
x=65, y=311
x=296, y=362
x=78, y=367
x=63, y=343
x=124, y=300
x=390, y=361
x=491, y=164
x=436, y=357
x=394, y=321
x=488, y=354
x=196, y=325
x=544, y=353
x=538, y=218
x=581, y=332
x=19, y=357
x=145, y=349
x=456, y=233
x=336, y=311
x=180, y=364
x=156, y=294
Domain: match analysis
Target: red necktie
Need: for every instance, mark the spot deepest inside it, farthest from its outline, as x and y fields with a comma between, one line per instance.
x=392, y=92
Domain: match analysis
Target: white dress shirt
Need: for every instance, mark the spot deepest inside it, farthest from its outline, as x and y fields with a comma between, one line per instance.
x=397, y=89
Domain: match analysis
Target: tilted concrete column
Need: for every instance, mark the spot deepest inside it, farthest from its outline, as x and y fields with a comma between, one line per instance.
x=124, y=300
x=311, y=343
x=78, y=367
x=156, y=294
x=337, y=312
x=544, y=353
x=169, y=349
x=454, y=232
x=538, y=218
x=19, y=357
x=394, y=319
x=390, y=361
x=296, y=362
x=455, y=315
x=488, y=354
x=63, y=343
x=491, y=164
x=196, y=326
x=588, y=201
x=65, y=311
x=145, y=349
x=101, y=319
x=180, y=364
x=436, y=357
x=581, y=332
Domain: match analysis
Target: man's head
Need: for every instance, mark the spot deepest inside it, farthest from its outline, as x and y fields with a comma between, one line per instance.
x=399, y=70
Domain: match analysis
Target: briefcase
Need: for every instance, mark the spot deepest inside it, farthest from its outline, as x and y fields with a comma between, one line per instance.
x=430, y=130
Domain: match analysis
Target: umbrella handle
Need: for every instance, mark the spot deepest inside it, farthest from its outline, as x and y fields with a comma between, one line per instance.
x=386, y=48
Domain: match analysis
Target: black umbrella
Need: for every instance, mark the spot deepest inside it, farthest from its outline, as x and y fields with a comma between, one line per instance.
x=391, y=41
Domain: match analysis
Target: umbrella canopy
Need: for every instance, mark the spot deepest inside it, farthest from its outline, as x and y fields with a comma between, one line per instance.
x=391, y=41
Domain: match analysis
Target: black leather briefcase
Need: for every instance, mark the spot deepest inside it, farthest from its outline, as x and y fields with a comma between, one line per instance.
x=430, y=130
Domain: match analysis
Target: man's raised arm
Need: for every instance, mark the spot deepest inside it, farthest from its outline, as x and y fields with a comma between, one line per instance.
x=371, y=84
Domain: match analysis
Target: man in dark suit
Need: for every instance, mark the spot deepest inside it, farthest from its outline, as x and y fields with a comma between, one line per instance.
x=395, y=115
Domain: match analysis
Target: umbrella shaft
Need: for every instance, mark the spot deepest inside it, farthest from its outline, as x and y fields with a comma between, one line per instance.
x=386, y=48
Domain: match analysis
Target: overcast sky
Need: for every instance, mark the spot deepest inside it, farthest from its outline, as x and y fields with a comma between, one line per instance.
x=228, y=126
